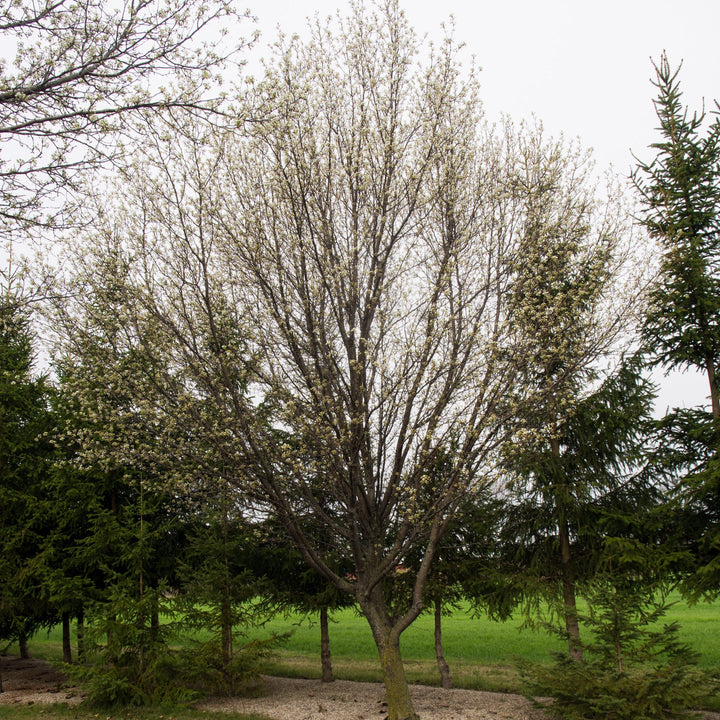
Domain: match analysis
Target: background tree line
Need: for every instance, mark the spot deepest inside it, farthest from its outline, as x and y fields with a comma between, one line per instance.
x=408, y=345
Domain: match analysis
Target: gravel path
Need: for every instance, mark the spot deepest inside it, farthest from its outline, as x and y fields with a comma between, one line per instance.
x=293, y=699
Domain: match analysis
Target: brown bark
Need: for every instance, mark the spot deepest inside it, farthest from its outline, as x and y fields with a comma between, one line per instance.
x=572, y=626
x=443, y=667
x=712, y=380
x=81, y=635
x=66, y=647
x=387, y=639
x=400, y=705
x=325, y=660
x=22, y=643
x=226, y=631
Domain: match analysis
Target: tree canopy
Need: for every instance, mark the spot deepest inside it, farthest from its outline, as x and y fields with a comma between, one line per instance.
x=80, y=72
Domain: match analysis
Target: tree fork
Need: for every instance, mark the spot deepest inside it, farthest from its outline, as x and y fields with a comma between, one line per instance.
x=387, y=640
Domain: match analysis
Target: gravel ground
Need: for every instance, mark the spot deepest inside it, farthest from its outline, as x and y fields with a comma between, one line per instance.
x=34, y=681
x=293, y=699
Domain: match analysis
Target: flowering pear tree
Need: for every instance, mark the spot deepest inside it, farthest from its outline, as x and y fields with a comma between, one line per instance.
x=332, y=299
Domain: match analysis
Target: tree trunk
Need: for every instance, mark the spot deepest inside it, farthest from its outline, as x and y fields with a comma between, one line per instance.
x=1, y=684
x=400, y=705
x=387, y=640
x=22, y=642
x=226, y=610
x=572, y=626
x=712, y=380
x=81, y=635
x=155, y=617
x=226, y=631
x=443, y=667
x=66, y=647
x=325, y=661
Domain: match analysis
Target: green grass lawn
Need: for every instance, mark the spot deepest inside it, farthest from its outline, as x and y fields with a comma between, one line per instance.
x=66, y=712
x=479, y=640
x=481, y=652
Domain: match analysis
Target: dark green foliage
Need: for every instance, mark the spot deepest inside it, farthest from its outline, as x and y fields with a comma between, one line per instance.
x=590, y=483
x=217, y=584
x=125, y=683
x=127, y=657
x=204, y=666
x=685, y=458
x=632, y=669
x=587, y=691
x=680, y=193
x=130, y=660
x=25, y=455
x=680, y=190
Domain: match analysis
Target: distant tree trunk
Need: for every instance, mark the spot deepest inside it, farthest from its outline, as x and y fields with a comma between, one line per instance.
x=1, y=684
x=66, y=647
x=226, y=609
x=714, y=398
x=572, y=626
x=155, y=618
x=325, y=660
x=443, y=667
x=81, y=634
x=226, y=630
x=22, y=642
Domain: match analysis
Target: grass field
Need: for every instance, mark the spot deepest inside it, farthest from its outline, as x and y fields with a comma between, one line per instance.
x=481, y=652
x=66, y=712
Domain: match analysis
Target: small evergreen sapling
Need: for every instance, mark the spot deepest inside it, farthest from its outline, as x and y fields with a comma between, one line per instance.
x=632, y=669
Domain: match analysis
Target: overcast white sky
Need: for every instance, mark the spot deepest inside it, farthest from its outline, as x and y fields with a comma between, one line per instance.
x=581, y=67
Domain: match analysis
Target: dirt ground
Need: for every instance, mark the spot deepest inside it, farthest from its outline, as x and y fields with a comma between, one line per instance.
x=33, y=681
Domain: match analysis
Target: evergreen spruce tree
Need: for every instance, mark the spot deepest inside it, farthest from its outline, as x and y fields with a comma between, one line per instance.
x=680, y=194
x=569, y=496
x=634, y=665
x=24, y=457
